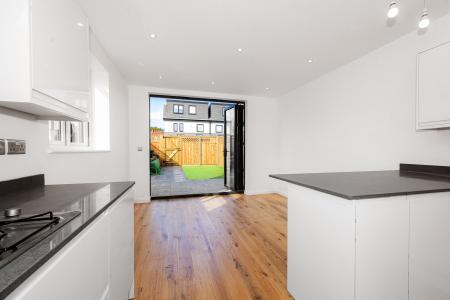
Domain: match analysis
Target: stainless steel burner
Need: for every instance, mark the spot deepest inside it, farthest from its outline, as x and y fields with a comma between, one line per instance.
x=12, y=212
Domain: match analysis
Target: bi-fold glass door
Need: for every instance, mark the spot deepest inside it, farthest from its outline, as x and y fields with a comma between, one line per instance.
x=234, y=148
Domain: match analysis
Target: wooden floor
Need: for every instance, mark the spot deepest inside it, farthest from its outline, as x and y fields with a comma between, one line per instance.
x=215, y=247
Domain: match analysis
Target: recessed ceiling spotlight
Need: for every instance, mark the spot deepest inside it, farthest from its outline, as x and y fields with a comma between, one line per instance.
x=153, y=35
x=393, y=10
x=140, y=63
x=424, y=19
x=267, y=88
x=213, y=82
x=310, y=60
x=240, y=49
x=160, y=77
x=80, y=24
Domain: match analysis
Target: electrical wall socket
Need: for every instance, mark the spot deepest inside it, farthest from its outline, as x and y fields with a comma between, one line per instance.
x=2, y=147
x=16, y=147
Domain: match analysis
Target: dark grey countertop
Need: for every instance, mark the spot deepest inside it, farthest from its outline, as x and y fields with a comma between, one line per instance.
x=91, y=199
x=410, y=179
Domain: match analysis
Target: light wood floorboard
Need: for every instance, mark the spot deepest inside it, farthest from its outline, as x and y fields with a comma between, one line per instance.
x=214, y=247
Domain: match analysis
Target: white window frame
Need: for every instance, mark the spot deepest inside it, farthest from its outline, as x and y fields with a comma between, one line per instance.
x=178, y=109
x=221, y=128
x=181, y=127
x=192, y=107
x=175, y=127
x=202, y=126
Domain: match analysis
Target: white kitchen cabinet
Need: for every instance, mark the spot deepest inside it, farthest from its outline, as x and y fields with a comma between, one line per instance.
x=321, y=245
x=433, y=88
x=98, y=264
x=121, y=232
x=78, y=271
x=430, y=247
x=382, y=245
x=44, y=63
x=391, y=248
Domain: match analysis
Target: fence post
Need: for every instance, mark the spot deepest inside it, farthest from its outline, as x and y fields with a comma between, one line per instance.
x=200, y=138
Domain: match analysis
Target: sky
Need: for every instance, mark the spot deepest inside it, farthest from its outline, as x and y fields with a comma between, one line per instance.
x=156, y=112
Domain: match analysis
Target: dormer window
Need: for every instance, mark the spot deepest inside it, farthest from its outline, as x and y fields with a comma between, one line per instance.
x=178, y=109
x=192, y=109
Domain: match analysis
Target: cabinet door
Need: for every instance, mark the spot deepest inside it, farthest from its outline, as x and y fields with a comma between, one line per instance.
x=121, y=228
x=60, y=52
x=321, y=245
x=433, y=90
x=382, y=237
x=78, y=271
x=430, y=247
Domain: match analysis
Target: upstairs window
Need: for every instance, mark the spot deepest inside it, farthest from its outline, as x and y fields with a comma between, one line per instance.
x=181, y=127
x=192, y=109
x=219, y=129
x=175, y=127
x=200, y=127
x=178, y=109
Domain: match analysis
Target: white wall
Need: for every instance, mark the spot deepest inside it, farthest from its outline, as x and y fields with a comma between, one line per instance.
x=261, y=137
x=16, y=125
x=362, y=115
x=70, y=167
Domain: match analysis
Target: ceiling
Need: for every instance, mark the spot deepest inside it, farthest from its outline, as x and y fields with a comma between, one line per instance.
x=197, y=40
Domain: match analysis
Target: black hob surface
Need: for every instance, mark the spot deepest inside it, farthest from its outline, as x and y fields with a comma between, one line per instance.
x=18, y=234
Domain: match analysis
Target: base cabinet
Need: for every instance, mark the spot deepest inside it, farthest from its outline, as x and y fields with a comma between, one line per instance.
x=98, y=264
x=430, y=247
x=79, y=271
x=394, y=248
x=121, y=246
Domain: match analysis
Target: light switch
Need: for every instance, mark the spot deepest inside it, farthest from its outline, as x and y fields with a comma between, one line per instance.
x=16, y=147
x=2, y=147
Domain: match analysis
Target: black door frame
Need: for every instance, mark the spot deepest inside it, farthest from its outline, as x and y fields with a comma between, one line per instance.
x=187, y=98
x=239, y=147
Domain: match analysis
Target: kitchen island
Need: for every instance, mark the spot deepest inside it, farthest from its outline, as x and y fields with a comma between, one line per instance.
x=369, y=235
x=90, y=257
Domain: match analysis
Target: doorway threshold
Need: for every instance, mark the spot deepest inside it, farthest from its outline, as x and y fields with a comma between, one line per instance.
x=195, y=195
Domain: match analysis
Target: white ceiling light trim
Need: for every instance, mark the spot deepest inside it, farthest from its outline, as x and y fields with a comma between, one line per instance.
x=153, y=35
x=424, y=19
x=393, y=10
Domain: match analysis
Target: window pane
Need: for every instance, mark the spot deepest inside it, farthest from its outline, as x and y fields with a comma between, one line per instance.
x=200, y=128
x=78, y=133
x=56, y=132
x=181, y=127
x=181, y=109
x=175, y=127
x=192, y=109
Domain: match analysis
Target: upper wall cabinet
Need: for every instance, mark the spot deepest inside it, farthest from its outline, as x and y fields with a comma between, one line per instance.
x=44, y=60
x=433, y=88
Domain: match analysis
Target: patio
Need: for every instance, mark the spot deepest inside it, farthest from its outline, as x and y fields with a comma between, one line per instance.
x=172, y=182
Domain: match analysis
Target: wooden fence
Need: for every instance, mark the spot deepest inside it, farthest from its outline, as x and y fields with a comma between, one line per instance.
x=188, y=150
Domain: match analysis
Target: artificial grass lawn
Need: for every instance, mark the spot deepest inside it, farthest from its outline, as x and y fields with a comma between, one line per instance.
x=202, y=172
